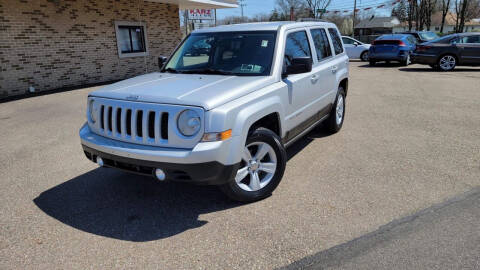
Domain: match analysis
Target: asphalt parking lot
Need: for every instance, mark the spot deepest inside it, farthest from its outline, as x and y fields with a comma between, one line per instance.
x=411, y=139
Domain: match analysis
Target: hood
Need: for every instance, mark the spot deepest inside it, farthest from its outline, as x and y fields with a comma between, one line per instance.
x=207, y=91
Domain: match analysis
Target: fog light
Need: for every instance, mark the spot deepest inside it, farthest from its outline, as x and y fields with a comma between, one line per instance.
x=160, y=174
x=100, y=161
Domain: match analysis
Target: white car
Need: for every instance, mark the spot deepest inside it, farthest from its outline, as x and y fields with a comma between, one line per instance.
x=224, y=106
x=356, y=49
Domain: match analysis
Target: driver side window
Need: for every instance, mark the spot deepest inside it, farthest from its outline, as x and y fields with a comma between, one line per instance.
x=297, y=45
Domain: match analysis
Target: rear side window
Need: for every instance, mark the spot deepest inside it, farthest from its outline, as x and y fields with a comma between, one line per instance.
x=297, y=45
x=469, y=39
x=322, y=46
x=337, y=42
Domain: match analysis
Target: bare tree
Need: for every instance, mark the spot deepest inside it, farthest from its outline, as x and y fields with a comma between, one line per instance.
x=283, y=8
x=316, y=7
x=445, y=9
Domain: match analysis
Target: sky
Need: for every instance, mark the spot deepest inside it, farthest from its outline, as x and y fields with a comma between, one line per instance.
x=254, y=7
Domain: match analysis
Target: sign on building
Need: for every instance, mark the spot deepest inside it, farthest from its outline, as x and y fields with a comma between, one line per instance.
x=201, y=14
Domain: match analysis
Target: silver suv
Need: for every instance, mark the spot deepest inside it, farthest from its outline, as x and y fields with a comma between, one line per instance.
x=224, y=106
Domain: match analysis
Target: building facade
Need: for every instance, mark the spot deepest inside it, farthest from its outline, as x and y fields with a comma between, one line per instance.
x=52, y=44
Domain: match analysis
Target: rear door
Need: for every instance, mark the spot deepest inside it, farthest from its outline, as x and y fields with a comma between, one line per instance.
x=469, y=50
x=324, y=78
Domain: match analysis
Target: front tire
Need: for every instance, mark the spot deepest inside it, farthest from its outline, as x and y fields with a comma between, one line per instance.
x=372, y=63
x=261, y=168
x=407, y=61
x=334, y=122
x=364, y=56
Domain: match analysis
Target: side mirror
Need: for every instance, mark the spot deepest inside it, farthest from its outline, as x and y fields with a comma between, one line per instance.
x=298, y=65
x=356, y=44
x=161, y=61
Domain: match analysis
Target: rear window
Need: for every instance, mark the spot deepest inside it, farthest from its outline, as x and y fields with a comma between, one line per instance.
x=428, y=36
x=322, y=46
x=336, y=41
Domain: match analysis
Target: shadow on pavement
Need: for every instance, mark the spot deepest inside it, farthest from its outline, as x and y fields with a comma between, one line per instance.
x=429, y=69
x=128, y=207
x=124, y=206
x=382, y=65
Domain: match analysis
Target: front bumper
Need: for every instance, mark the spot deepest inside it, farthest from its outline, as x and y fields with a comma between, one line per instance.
x=428, y=59
x=207, y=163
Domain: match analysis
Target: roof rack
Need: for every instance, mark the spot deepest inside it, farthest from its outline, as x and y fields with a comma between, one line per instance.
x=311, y=20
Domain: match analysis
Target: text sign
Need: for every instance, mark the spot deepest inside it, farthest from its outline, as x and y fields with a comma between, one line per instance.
x=201, y=14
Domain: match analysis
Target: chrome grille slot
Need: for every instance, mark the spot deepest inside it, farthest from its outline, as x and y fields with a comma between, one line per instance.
x=128, y=122
x=139, y=123
x=151, y=125
x=142, y=123
x=164, y=126
x=118, y=122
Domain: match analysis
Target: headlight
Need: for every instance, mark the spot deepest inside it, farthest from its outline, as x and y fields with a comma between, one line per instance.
x=188, y=123
x=93, y=115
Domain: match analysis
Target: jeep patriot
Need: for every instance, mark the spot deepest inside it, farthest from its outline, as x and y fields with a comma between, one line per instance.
x=223, y=107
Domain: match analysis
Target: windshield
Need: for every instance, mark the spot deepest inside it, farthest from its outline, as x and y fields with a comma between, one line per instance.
x=428, y=36
x=229, y=53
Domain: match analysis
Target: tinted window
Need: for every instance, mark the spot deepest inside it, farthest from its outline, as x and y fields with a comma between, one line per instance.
x=428, y=36
x=469, y=39
x=337, y=43
x=412, y=40
x=322, y=46
x=297, y=45
x=347, y=40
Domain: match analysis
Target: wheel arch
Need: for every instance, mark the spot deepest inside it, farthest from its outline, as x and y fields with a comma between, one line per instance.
x=344, y=85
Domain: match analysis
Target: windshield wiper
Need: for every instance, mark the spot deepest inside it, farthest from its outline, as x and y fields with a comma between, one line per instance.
x=208, y=71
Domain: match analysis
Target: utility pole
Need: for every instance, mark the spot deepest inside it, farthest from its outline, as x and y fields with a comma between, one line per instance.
x=242, y=5
x=354, y=17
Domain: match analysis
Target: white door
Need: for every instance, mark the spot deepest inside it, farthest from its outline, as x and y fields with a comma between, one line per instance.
x=300, y=86
x=352, y=47
x=322, y=69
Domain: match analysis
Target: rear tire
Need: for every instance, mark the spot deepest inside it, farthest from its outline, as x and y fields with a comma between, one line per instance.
x=447, y=62
x=334, y=122
x=261, y=169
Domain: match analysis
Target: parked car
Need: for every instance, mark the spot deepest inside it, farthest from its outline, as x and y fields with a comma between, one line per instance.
x=449, y=51
x=422, y=36
x=392, y=47
x=355, y=49
x=226, y=118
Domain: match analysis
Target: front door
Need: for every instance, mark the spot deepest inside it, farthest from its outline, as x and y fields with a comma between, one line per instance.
x=300, y=86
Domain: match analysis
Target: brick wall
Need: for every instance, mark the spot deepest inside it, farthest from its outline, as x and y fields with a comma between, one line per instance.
x=50, y=44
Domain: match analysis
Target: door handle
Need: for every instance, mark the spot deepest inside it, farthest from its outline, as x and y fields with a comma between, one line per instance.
x=314, y=78
x=334, y=69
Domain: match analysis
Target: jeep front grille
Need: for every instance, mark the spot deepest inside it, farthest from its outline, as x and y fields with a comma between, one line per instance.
x=141, y=123
x=146, y=124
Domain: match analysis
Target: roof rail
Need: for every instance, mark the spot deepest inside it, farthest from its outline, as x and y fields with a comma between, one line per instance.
x=311, y=20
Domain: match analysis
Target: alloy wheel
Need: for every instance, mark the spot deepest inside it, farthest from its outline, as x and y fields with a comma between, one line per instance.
x=259, y=163
x=447, y=62
x=339, y=110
